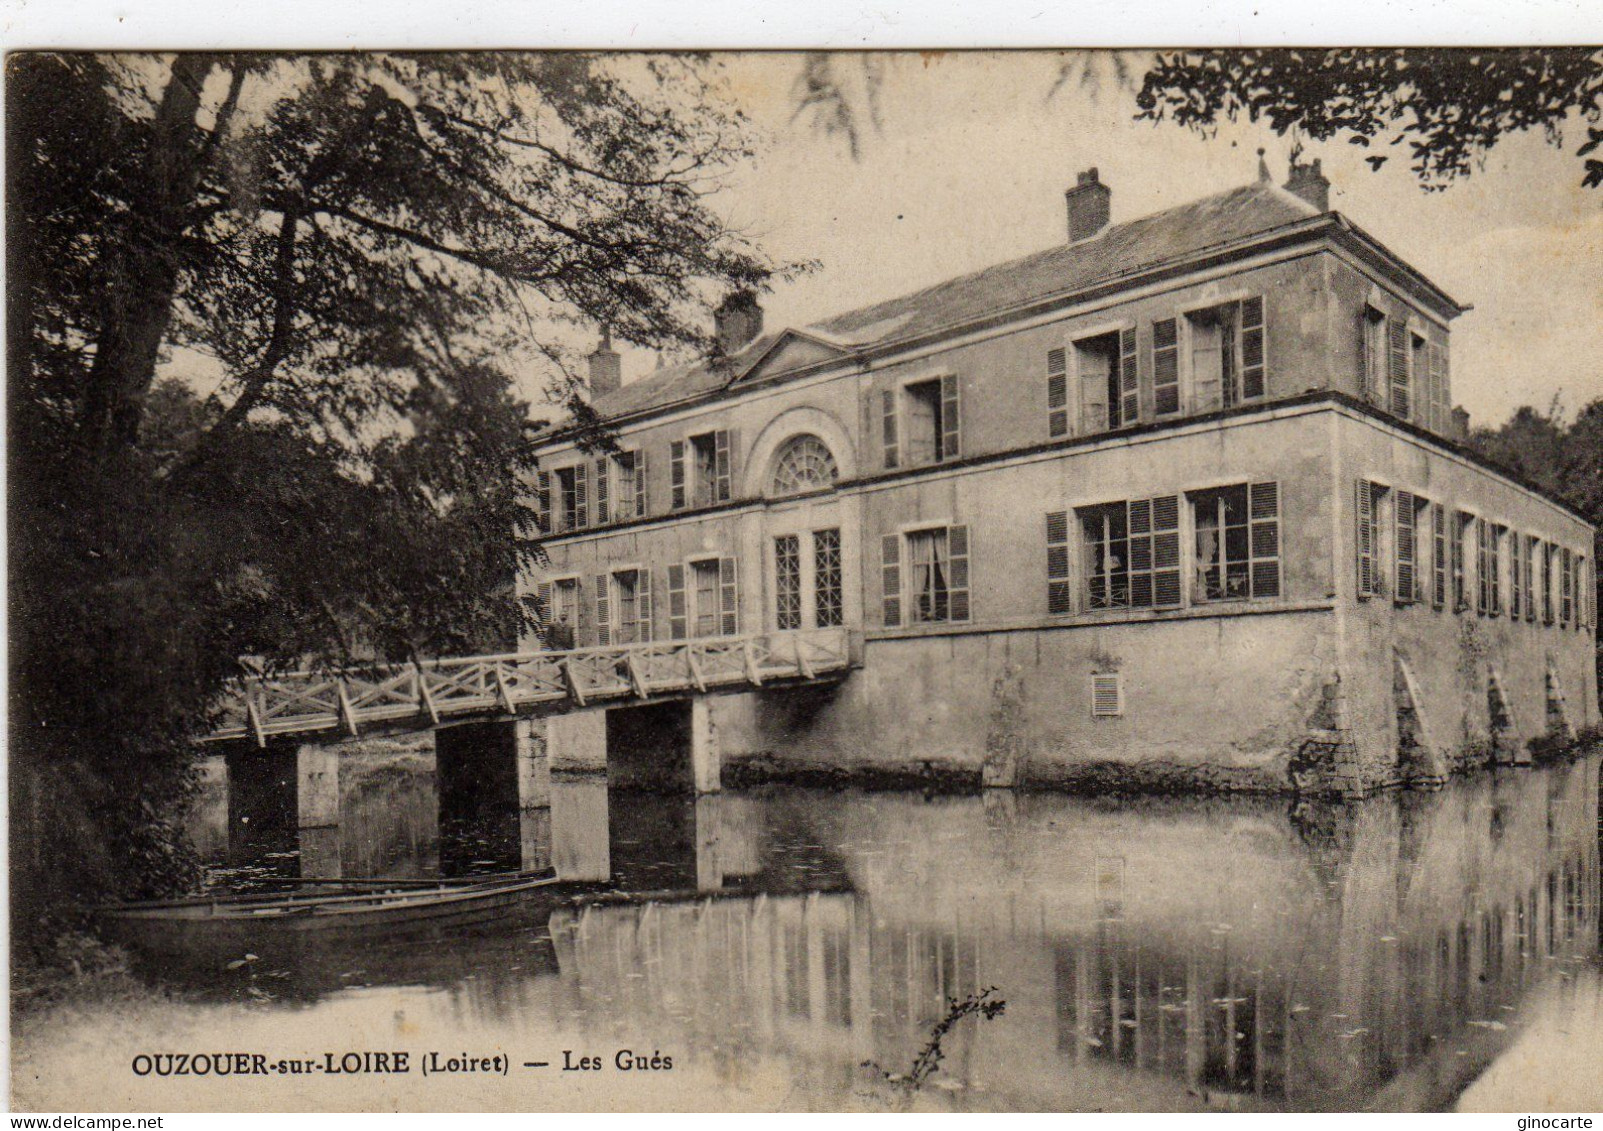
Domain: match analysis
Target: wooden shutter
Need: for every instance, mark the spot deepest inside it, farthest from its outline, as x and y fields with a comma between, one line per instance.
x=642, y=502
x=1437, y=415
x=643, y=605
x=581, y=505
x=676, y=473
x=891, y=578
x=1057, y=393
x=542, y=596
x=1059, y=590
x=1482, y=571
x=1366, y=539
x=728, y=597
x=1566, y=607
x=1460, y=580
x=1407, y=544
x=603, y=610
x=957, y=573
x=1138, y=564
x=951, y=418
x=1438, y=559
x=1165, y=366
x=1397, y=364
x=542, y=501
x=1445, y=387
x=603, y=490
x=678, y=618
x=1129, y=379
x=1516, y=577
x=1166, y=551
x=1528, y=552
x=888, y=427
x=1263, y=513
x=721, y=465
x=1253, y=381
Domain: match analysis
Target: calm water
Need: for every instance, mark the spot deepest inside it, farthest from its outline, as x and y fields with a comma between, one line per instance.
x=1168, y=955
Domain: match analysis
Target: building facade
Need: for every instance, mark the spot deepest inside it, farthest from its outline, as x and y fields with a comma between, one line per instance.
x=1181, y=502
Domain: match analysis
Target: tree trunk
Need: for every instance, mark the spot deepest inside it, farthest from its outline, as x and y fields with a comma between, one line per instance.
x=145, y=267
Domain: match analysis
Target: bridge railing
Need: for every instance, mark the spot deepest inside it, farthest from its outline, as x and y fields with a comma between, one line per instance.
x=308, y=702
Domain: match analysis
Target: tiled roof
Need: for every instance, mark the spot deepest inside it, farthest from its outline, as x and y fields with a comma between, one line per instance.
x=1120, y=250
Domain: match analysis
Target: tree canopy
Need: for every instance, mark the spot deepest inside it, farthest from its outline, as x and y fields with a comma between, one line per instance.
x=362, y=252
x=1446, y=106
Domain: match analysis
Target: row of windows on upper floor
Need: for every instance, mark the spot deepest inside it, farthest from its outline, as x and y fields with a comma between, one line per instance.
x=1196, y=362
x=1198, y=547
x=1421, y=552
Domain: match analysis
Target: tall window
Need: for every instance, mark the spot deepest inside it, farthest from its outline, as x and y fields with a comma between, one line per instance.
x=1227, y=353
x=934, y=585
x=699, y=469
x=625, y=483
x=929, y=566
x=1106, y=544
x=921, y=422
x=704, y=587
x=631, y=606
x=1237, y=534
x=922, y=413
x=1109, y=377
x=704, y=470
x=828, y=590
x=1463, y=528
x=1494, y=564
x=1374, y=372
x=561, y=612
x=803, y=463
x=787, y=582
x=1371, y=524
x=572, y=509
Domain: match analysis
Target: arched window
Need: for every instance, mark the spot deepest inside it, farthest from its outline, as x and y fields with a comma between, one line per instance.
x=803, y=463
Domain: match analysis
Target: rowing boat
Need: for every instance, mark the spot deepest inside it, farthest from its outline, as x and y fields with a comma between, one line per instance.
x=253, y=920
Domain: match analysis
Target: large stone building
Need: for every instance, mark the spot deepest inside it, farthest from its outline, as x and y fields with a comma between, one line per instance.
x=1183, y=500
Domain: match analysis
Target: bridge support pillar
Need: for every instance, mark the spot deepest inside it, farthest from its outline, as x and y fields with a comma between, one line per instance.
x=709, y=851
x=534, y=763
x=317, y=809
x=581, y=845
x=576, y=741
x=317, y=786
x=706, y=764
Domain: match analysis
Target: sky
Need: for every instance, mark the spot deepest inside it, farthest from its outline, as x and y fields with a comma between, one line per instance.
x=974, y=150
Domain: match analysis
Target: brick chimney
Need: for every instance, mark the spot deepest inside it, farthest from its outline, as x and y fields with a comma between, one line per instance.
x=737, y=322
x=1088, y=206
x=606, y=367
x=1460, y=427
x=1309, y=183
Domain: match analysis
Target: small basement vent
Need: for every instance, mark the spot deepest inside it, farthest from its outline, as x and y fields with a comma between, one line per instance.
x=1107, y=695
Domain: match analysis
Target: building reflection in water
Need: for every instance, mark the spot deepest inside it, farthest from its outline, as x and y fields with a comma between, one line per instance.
x=1153, y=954
x=1232, y=955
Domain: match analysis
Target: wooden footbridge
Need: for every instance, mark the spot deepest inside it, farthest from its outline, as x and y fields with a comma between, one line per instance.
x=324, y=706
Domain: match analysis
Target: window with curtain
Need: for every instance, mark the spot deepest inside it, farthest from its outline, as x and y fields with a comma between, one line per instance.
x=929, y=565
